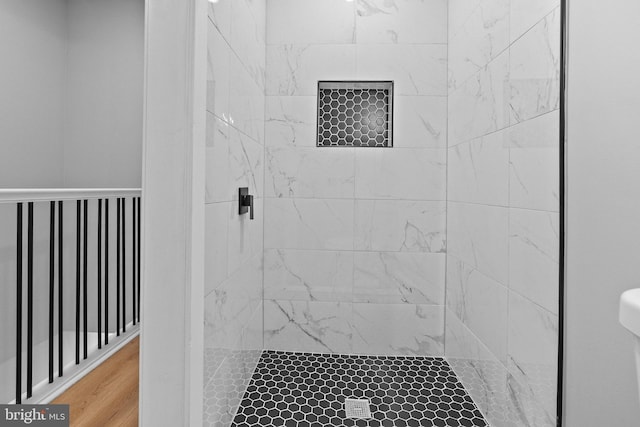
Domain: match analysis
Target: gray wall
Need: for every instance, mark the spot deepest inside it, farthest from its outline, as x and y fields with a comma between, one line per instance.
x=71, y=84
x=603, y=233
x=33, y=43
x=105, y=63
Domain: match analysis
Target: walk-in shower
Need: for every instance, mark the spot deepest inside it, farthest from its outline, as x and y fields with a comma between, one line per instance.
x=403, y=158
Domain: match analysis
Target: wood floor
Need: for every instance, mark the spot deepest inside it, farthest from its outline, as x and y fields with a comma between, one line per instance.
x=108, y=396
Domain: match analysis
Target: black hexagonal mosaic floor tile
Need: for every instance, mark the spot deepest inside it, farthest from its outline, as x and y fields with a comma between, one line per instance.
x=309, y=390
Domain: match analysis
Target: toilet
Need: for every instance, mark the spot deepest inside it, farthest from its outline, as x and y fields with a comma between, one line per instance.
x=630, y=319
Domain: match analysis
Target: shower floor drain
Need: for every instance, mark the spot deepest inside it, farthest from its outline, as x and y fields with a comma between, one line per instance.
x=357, y=408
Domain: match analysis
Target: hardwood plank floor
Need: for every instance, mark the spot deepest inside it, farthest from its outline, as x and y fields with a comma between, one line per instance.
x=108, y=396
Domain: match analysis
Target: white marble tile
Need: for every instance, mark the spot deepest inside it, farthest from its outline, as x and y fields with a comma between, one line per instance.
x=246, y=104
x=217, y=160
x=307, y=326
x=534, y=178
x=408, y=174
x=401, y=21
x=534, y=71
x=309, y=224
x=310, y=22
x=248, y=36
x=480, y=303
x=220, y=14
x=291, y=121
x=533, y=350
x=399, y=225
x=533, y=256
x=525, y=14
x=215, y=250
x=399, y=277
x=246, y=165
x=308, y=275
x=294, y=69
x=416, y=69
x=245, y=237
x=252, y=337
x=310, y=172
x=230, y=306
x=540, y=132
x=479, y=236
x=461, y=343
x=480, y=39
x=527, y=409
x=480, y=105
x=459, y=12
x=398, y=329
x=478, y=170
x=503, y=402
x=218, y=73
x=419, y=122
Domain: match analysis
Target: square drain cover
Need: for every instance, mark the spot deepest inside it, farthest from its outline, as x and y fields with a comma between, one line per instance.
x=357, y=408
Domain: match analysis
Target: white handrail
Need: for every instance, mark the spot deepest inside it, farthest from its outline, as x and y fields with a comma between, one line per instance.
x=49, y=194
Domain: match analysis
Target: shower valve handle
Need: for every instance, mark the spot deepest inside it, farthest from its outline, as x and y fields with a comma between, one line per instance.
x=245, y=202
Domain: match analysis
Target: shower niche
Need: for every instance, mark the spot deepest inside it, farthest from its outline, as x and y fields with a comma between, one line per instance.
x=355, y=114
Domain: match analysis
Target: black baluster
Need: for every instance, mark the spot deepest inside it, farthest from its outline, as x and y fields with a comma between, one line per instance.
x=30, y=300
x=124, y=263
x=78, y=213
x=60, y=283
x=133, y=260
x=118, y=267
x=19, y=304
x=84, y=276
x=99, y=273
x=106, y=271
x=139, y=250
x=52, y=246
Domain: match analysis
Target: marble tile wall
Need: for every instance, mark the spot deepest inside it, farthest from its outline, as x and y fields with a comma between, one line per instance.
x=355, y=238
x=234, y=158
x=503, y=201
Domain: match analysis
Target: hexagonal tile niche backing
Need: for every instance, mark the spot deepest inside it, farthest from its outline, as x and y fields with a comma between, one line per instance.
x=355, y=114
x=309, y=390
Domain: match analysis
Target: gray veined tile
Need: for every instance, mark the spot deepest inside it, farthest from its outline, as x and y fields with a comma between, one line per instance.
x=480, y=39
x=310, y=172
x=398, y=329
x=420, y=122
x=308, y=275
x=534, y=71
x=310, y=22
x=294, y=69
x=478, y=171
x=533, y=352
x=479, y=236
x=291, y=121
x=534, y=242
x=309, y=224
x=380, y=21
x=400, y=225
x=217, y=160
x=409, y=174
x=525, y=14
x=480, y=303
x=399, y=278
x=480, y=105
x=218, y=73
x=307, y=326
x=416, y=69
